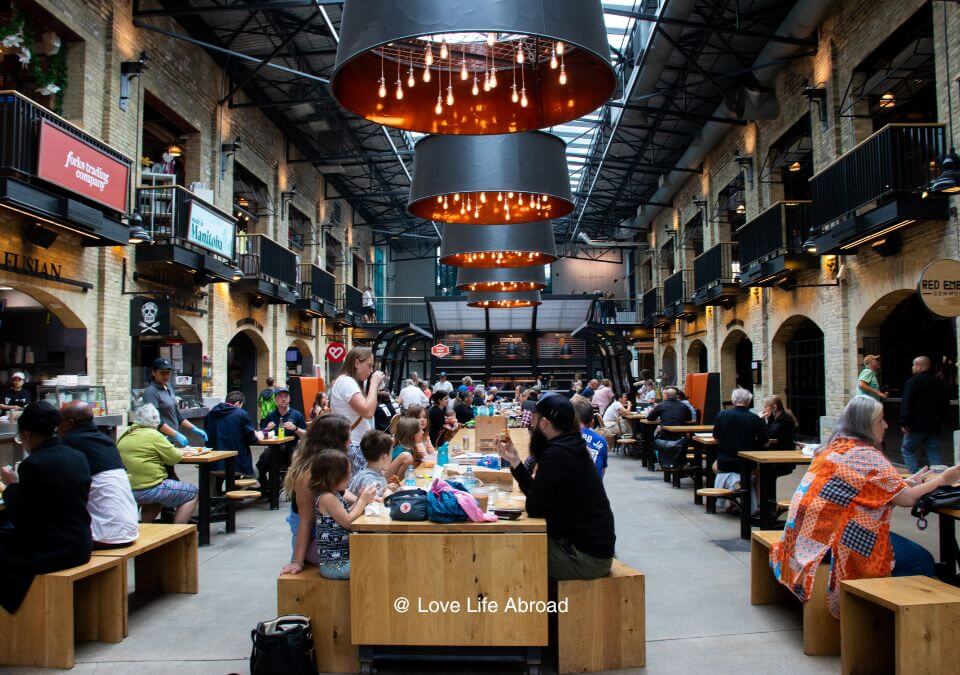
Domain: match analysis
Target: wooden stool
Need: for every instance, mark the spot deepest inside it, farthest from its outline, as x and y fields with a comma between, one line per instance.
x=82, y=603
x=713, y=494
x=899, y=624
x=241, y=483
x=240, y=495
x=623, y=444
x=821, y=632
x=604, y=626
x=327, y=603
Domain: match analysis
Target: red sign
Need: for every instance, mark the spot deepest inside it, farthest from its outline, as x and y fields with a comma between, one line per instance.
x=440, y=350
x=336, y=351
x=71, y=163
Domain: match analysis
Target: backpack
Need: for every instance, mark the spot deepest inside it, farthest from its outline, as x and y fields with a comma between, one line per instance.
x=283, y=645
x=266, y=403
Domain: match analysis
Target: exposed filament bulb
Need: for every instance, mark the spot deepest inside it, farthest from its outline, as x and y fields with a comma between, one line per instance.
x=499, y=196
x=382, y=91
x=476, y=89
x=486, y=81
x=444, y=53
x=553, y=60
x=449, y=94
x=559, y=47
x=463, y=71
x=483, y=197
x=428, y=57
x=439, y=199
x=493, y=78
x=399, y=93
x=438, y=109
x=520, y=57
x=563, y=75
x=514, y=96
x=523, y=97
x=491, y=38
x=411, y=80
x=456, y=197
x=426, y=74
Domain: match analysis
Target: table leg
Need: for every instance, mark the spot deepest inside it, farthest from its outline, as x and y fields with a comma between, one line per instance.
x=711, y=458
x=947, y=567
x=203, y=518
x=767, y=495
x=275, y=455
x=746, y=471
x=697, y=473
x=230, y=465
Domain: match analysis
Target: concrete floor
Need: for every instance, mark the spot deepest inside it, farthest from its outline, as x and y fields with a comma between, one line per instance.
x=699, y=618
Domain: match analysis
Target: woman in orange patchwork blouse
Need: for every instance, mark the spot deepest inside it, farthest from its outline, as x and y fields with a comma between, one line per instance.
x=842, y=509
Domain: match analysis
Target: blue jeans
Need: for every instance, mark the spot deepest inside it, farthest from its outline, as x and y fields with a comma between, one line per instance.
x=913, y=441
x=294, y=521
x=910, y=559
x=340, y=570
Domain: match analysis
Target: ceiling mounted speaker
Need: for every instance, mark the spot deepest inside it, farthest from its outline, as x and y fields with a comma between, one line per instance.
x=503, y=300
x=502, y=279
x=498, y=245
x=472, y=66
x=507, y=178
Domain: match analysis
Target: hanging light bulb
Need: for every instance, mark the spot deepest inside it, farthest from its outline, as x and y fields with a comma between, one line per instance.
x=532, y=201
x=428, y=57
x=382, y=91
x=411, y=80
x=446, y=203
x=463, y=211
x=509, y=195
x=444, y=53
x=483, y=197
x=476, y=213
x=520, y=200
x=399, y=93
x=439, y=199
x=499, y=196
x=563, y=74
x=449, y=94
x=520, y=56
x=476, y=89
x=468, y=203
x=491, y=38
x=456, y=197
x=438, y=109
x=553, y=59
x=514, y=96
x=463, y=66
x=426, y=74
x=523, y=97
x=559, y=47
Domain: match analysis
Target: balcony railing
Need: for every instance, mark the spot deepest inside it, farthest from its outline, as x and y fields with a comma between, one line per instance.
x=900, y=158
x=716, y=265
x=616, y=310
x=167, y=212
x=394, y=310
x=317, y=283
x=780, y=230
x=652, y=309
x=675, y=289
x=263, y=258
x=349, y=299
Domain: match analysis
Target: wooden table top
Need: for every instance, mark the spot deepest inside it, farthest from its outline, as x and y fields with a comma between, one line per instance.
x=519, y=436
x=705, y=440
x=634, y=416
x=292, y=438
x=385, y=524
x=953, y=513
x=689, y=428
x=208, y=457
x=644, y=420
x=775, y=456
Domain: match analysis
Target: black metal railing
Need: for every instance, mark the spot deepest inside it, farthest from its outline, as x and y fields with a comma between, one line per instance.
x=616, y=310
x=317, y=283
x=717, y=265
x=165, y=212
x=898, y=158
x=401, y=310
x=675, y=289
x=651, y=304
x=20, y=122
x=262, y=257
x=349, y=299
x=780, y=230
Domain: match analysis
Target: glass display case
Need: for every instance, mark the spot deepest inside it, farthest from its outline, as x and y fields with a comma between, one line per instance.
x=188, y=396
x=94, y=395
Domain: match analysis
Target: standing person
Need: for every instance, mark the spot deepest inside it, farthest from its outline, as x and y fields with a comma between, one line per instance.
x=466, y=384
x=438, y=411
x=229, y=427
x=112, y=508
x=443, y=384
x=369, y=307
x=15, y=397
x=415, y=379
x=46, y=507
x=737, y=429
x=159, y=393
x=596, y=443
x=347, y=398
x=266, y=403
x=867, y=383
x=922, y=412
x=566, y=491
x=603, y=395
x=386, y=409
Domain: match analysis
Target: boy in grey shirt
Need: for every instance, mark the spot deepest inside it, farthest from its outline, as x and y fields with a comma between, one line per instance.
x=376, y=447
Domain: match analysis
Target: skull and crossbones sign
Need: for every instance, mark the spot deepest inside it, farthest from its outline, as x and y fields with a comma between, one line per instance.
x=148, y=314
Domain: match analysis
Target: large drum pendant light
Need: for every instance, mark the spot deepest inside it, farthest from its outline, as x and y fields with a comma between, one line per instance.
x=472, y=66
x=507, y=178
x=501, y=279
x=498, y=245
x=503, y=300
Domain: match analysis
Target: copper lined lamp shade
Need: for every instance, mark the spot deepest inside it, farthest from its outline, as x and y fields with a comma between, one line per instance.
x=498, y=245
x=505, y=178
x=494, y=300
x=472, y=66
x=501, y=279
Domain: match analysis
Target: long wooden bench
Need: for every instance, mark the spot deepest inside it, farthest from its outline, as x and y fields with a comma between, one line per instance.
x=821, y=632
x=164, y=558
x=899, y=624
x=327, y=603
x=84, y=603
x=604, y=626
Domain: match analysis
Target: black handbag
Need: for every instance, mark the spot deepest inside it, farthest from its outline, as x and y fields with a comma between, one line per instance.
x=673, y=454
x=941, y=498
x=407, y=505
x=283, y=645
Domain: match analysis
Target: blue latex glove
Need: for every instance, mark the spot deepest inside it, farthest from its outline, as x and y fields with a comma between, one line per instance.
x=179, y=440
x=199, y=433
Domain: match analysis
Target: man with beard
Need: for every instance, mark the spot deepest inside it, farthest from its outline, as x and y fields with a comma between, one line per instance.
x=567, y=491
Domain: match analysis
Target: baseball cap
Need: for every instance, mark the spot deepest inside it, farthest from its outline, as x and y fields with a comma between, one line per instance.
x=443, y=373
x=557, y=409
x=162, y=364
x=279, y=390
x=18, y=374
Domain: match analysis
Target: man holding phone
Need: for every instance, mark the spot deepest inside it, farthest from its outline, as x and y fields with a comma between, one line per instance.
x=566, y=490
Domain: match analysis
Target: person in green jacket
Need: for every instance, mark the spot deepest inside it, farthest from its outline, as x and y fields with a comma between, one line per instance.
x=146, y=454
x=867, y=383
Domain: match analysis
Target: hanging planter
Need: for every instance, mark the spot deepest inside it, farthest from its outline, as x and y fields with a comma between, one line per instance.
x=472, y=66
x=504, y=300
x=507, y=178
x=501, y=279
x=498, y=245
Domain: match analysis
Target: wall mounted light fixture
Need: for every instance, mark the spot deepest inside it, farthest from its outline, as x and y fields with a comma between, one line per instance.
x=817, y=95
x=128, y=71
x=227, y=150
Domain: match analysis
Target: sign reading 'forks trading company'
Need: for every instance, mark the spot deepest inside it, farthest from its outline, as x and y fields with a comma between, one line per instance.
x=210, y=230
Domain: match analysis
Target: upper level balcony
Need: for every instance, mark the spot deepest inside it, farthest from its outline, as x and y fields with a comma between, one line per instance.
x=653, y=308
x=716, y=276
x=55, y=172
x=677, y=299
x=771, y=245
x=317, y=289
x=877, y=188
x=269, y=270
x=350, y=303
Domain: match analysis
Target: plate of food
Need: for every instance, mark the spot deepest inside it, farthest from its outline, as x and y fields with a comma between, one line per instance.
x=508, y=514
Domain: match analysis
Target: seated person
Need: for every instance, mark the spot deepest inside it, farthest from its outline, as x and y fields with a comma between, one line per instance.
x=146, y=454
x=386, y=409
x=419, y=413
x=450, y=428
x=46, y=507
x=843, y=508
x=671, y=446
x=566, y=491
x=321, y=406
x=229, y=427
x=596, y=443
x=376, y=447
x=113, y=510
x=336, y=510
x=294, y=425
x=405, y=444
x=682, y=397
x=613, y=415
x=463, y=410
x=736, y=429
x=436, y=415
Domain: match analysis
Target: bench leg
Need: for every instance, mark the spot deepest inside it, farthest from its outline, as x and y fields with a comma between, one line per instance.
x=926, y=639
x=98, y=607
x=821, y=632
x=40, y=634
x=866, y=636
x=764, y=587
x=171, y=568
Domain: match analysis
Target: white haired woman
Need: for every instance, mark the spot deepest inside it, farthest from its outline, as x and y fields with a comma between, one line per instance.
x=843, y=508
x=146, y=454
x=736, y=429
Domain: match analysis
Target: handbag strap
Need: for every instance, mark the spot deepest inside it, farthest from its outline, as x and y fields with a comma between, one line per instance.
x=356, y=423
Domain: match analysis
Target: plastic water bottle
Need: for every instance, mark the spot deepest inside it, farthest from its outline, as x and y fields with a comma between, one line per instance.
x=443, y=456
x=469, y=480
x=410, y=478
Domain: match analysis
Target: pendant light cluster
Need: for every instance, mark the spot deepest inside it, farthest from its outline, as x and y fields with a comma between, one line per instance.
x=499, y=300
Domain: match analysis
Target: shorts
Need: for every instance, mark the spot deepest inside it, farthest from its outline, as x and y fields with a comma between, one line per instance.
x=168, y=493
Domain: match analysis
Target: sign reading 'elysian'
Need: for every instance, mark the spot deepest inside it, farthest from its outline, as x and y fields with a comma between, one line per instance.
x=210, y=230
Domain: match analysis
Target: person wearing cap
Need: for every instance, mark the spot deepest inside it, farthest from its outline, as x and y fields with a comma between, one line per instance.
x=159, y=393
x=15, y=397
x=292, y=421
x=867, y=383
x=566, y=491
x=443, y=384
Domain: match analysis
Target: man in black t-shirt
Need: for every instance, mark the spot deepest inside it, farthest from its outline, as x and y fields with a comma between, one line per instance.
x=15, y=397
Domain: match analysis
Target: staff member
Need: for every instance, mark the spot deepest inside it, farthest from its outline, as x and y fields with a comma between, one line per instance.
x=15, y=397
x=567, y=491
x=159, y=393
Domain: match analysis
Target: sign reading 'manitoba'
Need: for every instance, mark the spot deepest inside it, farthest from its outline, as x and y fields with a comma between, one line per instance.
x=71, y=163
x=210, y=230
x=939, y=287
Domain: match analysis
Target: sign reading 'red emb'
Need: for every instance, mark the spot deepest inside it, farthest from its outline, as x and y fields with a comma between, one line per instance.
x=71, y=163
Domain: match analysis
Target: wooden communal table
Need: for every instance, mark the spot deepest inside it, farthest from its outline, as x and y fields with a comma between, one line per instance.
x=689, y=428
x=704, y=450
x=766, y=462
x=519, y=436
x=278, y=458
x=205, y=484
x=417, y=585
x=947, y=565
